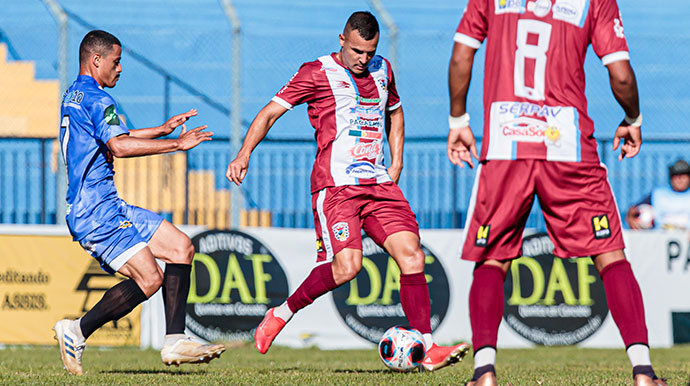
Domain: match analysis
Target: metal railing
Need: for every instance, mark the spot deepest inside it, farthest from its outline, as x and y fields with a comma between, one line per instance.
x=279, y=172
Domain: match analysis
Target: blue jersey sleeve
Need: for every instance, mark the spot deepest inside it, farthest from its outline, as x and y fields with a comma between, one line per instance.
x=106, y=121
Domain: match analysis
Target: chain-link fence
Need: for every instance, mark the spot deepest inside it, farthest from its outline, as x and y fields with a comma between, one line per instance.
x=178, y=55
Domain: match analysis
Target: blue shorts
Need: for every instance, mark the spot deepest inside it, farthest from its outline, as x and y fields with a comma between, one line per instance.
x=120, y=237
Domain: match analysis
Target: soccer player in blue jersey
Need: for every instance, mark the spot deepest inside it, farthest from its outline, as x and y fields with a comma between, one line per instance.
x=123, y=238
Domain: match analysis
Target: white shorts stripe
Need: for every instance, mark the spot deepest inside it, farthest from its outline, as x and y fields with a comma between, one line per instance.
x=324, y=225
x=470, y=208
x=121, y=260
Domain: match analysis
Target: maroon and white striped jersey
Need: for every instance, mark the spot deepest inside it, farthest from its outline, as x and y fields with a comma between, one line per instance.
x=534, y=80
x=348, y=114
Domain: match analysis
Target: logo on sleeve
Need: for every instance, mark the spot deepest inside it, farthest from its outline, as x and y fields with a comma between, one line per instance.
x=600, y=226
x=482, y=236
x=110, y=116
x=341, y=231
x=618, y=28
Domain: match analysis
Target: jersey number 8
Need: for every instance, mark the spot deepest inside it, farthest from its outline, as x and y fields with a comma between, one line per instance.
x=542, y=31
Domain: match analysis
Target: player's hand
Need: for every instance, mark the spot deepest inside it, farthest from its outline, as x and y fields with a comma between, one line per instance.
x=171, y=124
x=632, y=217
x=394, y=173
x=632, y=140
x=462, y=146
x=189, y=139
x=237, y=169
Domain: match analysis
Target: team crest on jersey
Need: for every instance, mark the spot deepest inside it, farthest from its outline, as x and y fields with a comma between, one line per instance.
x=600, y=226
x=110, y=116
x=482, y=236
x=382, y=83
x=125, y=224
x=341, y=231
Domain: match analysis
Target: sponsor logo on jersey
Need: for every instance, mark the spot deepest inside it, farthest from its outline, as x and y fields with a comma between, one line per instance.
x=482, y=236
x=540, y=8
x=553, y=301
x=564, y=10
x=527, y=109
x=342, y=84
x=370, y=303
x=552, y=136
x=368, y=150
x=368, y=100
x=365, y=134
x=110, y=116
x=367, y=112
x=570, y=11
x=125, y=224
x=366, y=122
x=341, y=231
x=329, y=69
x=509, y=6
x=600, y=226
x=362, y=169
x=235, y=279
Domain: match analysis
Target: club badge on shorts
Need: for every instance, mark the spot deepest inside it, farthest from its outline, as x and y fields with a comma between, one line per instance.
x=482, y=236
x=341, y=231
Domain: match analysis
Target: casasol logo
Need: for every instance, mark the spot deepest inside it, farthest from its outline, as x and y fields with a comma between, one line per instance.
x=482, y=236
x=235, y=280
x=553, y=301
x=370, y=303
x=600, y=226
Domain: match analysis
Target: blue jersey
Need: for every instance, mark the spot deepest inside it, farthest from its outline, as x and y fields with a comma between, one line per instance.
x=89, y=121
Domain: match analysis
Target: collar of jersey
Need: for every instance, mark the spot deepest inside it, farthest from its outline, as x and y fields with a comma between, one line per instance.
x=88, y=79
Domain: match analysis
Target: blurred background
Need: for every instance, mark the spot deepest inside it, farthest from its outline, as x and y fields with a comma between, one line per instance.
x=227, y=58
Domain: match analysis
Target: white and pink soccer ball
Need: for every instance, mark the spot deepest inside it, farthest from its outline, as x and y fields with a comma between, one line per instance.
x=402, y=348
x=645, y=216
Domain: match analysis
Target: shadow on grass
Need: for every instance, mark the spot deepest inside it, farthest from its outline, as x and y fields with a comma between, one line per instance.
x=377, y=371
x=154, y=371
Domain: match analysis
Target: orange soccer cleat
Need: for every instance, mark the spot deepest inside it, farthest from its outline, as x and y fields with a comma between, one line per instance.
x=268, y=329
x=438, y=357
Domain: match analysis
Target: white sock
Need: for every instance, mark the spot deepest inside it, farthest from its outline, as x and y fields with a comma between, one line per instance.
x=171, y=339
x=428, y=340
x=75, y=327
x=485, y=356
x=283, y=312
x=639, y=355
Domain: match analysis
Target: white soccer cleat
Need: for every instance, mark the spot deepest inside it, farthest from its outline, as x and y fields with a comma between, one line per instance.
x=71, y=347
x=187, y=351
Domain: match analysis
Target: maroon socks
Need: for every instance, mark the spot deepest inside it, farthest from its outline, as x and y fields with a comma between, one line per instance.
x=319, y=281
x=625, y=302
x=414, y=297
x=486, y=305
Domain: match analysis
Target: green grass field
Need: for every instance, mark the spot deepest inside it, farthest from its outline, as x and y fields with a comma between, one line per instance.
x=244, y=365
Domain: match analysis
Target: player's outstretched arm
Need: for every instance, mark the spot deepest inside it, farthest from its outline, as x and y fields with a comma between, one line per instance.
x=125, y=146
x=461, y=142
x=624, y=87
x=395, y=131
x=237, y=169
x=168, y=127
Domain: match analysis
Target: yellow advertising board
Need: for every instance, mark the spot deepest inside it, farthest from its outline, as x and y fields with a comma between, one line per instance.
x=47, y=278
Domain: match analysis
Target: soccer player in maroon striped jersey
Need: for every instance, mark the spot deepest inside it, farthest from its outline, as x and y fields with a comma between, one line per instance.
x=352, y=99
x=539, y=140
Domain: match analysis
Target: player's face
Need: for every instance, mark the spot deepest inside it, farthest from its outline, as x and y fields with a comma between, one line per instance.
x=680, y=182
x=109, y=68
x=357, y=52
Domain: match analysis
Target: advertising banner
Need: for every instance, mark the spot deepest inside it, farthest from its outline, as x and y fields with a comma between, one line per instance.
x=45, y=278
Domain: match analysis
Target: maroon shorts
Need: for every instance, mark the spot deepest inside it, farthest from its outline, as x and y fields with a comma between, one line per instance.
x=581, y=215
x=342, y=212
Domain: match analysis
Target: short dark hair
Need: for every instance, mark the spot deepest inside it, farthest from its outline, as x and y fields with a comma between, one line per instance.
x=365, y=23
x=97, y=41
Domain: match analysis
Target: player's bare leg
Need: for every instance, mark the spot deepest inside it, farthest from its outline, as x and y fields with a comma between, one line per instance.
x=627, y=309
x=174, y=247
x=325, y=277
x=406, y=250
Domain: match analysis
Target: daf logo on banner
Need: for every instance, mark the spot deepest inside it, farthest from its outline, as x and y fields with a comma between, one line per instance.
x=553, y=301
x=370, y=303
x=235, y=279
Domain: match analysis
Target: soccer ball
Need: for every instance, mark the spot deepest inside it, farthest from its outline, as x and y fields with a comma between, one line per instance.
x=402, y=349
x=645, y=216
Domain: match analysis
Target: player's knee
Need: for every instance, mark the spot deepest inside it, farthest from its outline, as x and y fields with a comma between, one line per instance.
x=183, y=252
x=347, y=271
x=151, y=283
x=411, y=260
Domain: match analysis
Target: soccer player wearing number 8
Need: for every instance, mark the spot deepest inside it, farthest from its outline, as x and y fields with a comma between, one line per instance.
x=123, y=238
x=538, y=140
x=352, y=100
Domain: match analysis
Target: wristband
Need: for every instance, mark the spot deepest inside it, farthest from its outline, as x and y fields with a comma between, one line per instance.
x=637, y=122
x=459, y=122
